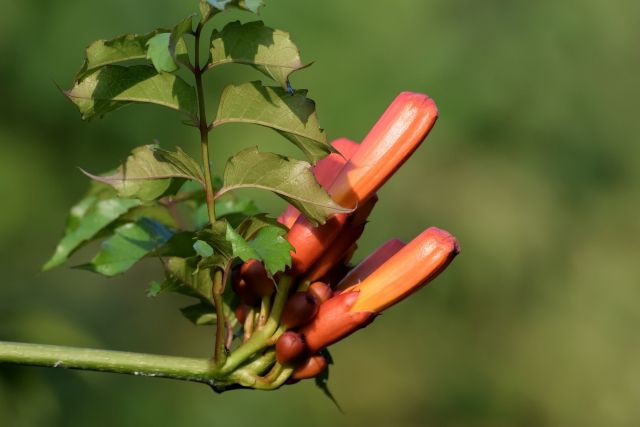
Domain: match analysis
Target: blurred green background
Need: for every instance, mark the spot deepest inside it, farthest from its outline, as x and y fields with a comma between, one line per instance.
x=534, y=165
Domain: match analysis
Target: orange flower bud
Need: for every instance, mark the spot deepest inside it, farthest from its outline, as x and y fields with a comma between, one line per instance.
x=257, y=278
x=311, y=367
x=413, y=266
x=289, y=347
x=241, y=288
x=395, y=136
x=299, y=309
x=321, y=291
x=335, y=252
x=334, y=321
x=370, y=264
x=311, y=242
x=325, y=172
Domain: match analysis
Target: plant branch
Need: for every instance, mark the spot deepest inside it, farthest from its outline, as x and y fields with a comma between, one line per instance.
x=149, y=365
x=204, y=128
x=220, y=353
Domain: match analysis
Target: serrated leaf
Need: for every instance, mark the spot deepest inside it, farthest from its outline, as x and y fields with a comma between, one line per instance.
x=87, y=219
x=192, y=282
x=159, y=54
x=175, y=40
x=148, y=171
x=293, y=115
x=273, y=248
x=129, y=244
x=268, y=245
x=230, y=207
x=113, y=86
x=251, y=226
x=124, y=48
x=215, y=235
x=268, y=50
x=288, y=178
x=200, y=314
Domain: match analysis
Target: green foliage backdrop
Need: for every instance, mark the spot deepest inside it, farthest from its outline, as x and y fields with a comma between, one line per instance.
x=534, y=165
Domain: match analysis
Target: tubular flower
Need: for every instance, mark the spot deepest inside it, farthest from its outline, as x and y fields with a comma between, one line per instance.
x=370, y=264
x=395, y=136
x=413, y=266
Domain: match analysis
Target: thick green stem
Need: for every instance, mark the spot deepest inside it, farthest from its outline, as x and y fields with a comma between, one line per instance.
x=260, y=338
x=204, y=129
x=179, y=368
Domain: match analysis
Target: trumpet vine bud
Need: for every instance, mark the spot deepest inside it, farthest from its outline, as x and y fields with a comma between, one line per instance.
x=321, y=291
x=395, y=136
x=257, y=278
x=370, y=264
x=311, y=367
x=289, y=347
x=299, y=309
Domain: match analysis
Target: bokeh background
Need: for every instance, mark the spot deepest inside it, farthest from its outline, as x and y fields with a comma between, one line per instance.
x=534, y=165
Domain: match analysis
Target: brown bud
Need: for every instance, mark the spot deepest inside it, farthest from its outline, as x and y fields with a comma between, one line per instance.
x=299, y=309
x=242, y=310
x=310, y=368
x=239, y=286
x=289, y=347
x=321, y=291
x=254, y=273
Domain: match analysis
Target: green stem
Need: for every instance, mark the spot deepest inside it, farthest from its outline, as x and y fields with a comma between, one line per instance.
x=179, y=368
x=204, y=128
x=260, y=337
x=220, y=354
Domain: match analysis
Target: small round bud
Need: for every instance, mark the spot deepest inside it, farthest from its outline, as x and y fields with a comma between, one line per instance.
x=321, y=291
x=311, y=367
x=242, y=310
x=254, y=273
x=289, y=347
x=299, y=309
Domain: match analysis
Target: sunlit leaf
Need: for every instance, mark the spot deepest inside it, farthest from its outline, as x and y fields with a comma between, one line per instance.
x=268, y=245
x=209, y=8
x=87, y=218
x=202, y=248
x=129, y=244
x=288, y=178
x=112, y=86
x=270, y=51
x=159, y=54
x=293, y=115
x=148, y=171
x=124, y=48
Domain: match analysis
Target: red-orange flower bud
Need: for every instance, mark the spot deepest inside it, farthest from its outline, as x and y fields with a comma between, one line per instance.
x=289, y=347
x=242, y=311
x=241, y=288
x=370, y=264
x=395, y=136
x=257, y=278
x=334, y=321
x=311, y=367
x=413, y=266
x=321, y=291
x=300, y=308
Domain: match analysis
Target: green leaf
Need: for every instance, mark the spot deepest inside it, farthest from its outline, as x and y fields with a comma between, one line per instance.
x=202, y=248
x=124, y=48
x=251, y=226
x=269, y=51
x=87, y=218
x=200, y=314
x=230, y=207
x=293, y=115
x=269, y=245
x=148, y=171
x=209, y=8
x=129, y=244
x=215, y=236
x=273, y=249
x=112, y=86
x=196, y=283
x=159, y=54
x=289, y=178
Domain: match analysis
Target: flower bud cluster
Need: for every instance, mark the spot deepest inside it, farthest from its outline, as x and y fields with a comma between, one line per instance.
x=330, y=298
